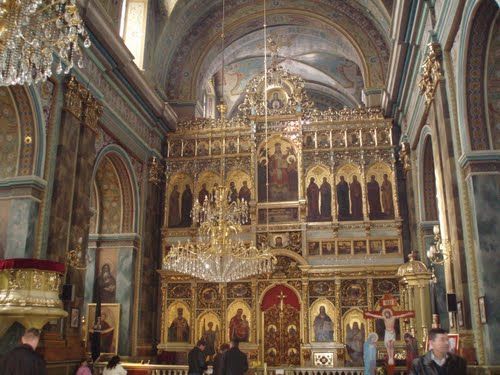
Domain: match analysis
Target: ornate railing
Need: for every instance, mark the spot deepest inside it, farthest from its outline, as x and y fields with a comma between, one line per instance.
x=149, y=369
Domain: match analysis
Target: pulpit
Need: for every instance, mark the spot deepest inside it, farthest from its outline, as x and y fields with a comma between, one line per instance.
x=29, y=292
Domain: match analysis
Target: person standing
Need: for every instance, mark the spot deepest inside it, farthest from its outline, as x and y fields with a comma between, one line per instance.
x=84, y=368
x=411, y=349
x=196, y=359
x=438, y=360
x=219, y=360
x=114, y=367
x=23, y=359
x=235, y=361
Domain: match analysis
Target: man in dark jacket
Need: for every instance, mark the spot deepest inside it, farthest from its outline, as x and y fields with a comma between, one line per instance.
x=23, y=359
x=196, y=359
x=235, y=361
x=438, y=360
x=219, y=360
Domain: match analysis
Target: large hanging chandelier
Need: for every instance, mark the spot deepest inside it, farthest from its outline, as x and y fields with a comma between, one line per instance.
x=32, y=32
x=218, y=255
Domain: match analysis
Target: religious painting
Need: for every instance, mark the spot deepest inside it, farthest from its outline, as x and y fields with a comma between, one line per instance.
x=206, y=186
x=308, y=141
x=208, y=328
x=322, y=317
x=379, y=191
x=108, y=324
x=354, y=328
x=216, y=147
x=178, y=323
x=240, y=321
x=327, y=247
x=278, y=215
x=208, y=295
x=239, y=184
x=391, y=246
x=349, y=193
x=239, y=290
x=338, y=139
x=231, y=145
x=383, y=137
x=181, y=290
x=278, y=167
x=107, y=259
x=353, y=138
x=180, y=201
x=321, y=288
x=353, y=293
x=245, y=145
x=359, y=247
x=313, y=248
x=276, y=99
x=384, y=286
x=368, y=138
x=324, y=140
x=174, y=148
x=202, y=148
x=344, y=247
x=376, y=247
x=280, y=240
x=318, y=194
x=188, y=148
x=75, y=318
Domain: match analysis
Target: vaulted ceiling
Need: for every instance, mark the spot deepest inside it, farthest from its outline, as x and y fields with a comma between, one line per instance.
x=340, y=47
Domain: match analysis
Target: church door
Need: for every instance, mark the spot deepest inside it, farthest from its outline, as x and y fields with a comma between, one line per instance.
x=281, y=310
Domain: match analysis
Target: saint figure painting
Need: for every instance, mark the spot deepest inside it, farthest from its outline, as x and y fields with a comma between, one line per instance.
x=323, y=326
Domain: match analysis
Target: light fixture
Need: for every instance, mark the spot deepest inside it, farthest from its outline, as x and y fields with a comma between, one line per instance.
x=32, y=32
x=218, y=255
x=438, y=252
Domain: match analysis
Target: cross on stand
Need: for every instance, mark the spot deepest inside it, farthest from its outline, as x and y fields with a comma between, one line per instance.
x=389, y=316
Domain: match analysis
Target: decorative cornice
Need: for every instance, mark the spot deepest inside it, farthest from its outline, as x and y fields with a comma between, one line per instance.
x=92, y=112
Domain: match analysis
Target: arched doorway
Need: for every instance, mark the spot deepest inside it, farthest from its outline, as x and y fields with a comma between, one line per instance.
x=280, y=308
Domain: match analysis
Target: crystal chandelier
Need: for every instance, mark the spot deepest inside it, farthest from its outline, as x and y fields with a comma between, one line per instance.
x=218, y=256
x=31, y=32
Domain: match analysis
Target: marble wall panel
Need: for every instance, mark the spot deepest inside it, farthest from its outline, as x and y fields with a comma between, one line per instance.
x=486, y=190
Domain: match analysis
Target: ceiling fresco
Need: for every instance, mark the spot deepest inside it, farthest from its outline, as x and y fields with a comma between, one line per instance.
x=339, y=46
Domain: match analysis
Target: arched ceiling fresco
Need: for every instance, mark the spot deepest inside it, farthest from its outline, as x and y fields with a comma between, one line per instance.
x=339, y=47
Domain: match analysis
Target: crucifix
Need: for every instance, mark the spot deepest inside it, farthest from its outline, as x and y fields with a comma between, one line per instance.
x=389, y=316
x=281, y=297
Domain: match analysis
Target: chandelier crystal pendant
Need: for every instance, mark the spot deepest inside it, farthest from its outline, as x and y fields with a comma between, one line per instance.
x=32, y=32
x=218, y=256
